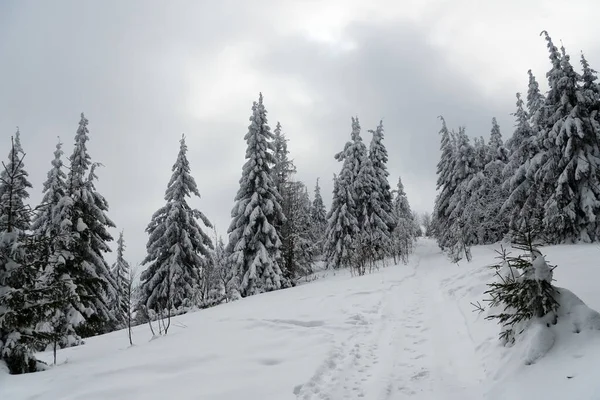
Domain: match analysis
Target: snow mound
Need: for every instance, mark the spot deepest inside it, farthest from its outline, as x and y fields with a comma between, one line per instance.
x=574, y=317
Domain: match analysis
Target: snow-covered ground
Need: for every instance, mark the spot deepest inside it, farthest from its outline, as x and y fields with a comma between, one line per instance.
x=406, y=331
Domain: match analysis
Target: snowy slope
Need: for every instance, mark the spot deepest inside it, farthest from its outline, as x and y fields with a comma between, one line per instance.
x=403, y=332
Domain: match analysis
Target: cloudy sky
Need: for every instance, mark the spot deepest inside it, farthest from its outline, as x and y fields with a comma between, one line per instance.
x=144, y=72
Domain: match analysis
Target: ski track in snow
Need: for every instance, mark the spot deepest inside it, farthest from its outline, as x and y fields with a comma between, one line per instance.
x=399, y=349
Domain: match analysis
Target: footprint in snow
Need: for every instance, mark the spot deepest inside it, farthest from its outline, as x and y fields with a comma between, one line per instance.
x=420, y=375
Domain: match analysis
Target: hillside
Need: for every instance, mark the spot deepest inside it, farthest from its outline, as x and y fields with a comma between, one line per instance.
x=406, y=331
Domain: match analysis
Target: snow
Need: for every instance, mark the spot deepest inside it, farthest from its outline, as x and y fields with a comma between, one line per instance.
x=81, y=226
x=405, y=331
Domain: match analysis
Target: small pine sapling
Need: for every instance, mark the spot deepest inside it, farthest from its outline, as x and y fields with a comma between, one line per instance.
x=524, y=290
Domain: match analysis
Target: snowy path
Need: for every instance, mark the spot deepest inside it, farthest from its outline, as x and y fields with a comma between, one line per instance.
x=403, y=332
x=404, y=347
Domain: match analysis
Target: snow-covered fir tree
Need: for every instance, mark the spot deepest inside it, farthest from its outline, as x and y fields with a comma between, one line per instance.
x=372, y=241
x=342, y=221
x=318, y=219
x=283, y=168
x=356, y=153
x=524, y=293
x=299, y=254
x=254, y=242
x=44, y=224
x=178, y=248
x=363, y=183
x=522, y=201
x=283, y=172
x=83, y=241
x=495, y=222
x=460, y=235
x=218, y=276
x=403, y=233
x=121, y=271
x=474, y=212
x=535, y=100
x=380, y=209
x=446, y=186
x=19, y=313
x=14, y=186
x=342, y=225
x=464, y=169
x=590, y=87
x=486, y=223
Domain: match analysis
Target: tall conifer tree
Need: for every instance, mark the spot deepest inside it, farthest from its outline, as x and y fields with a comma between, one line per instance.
x=254, y=243
x=178, y=248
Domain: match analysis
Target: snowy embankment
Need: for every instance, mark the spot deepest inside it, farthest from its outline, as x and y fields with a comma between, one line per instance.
x=407, y=331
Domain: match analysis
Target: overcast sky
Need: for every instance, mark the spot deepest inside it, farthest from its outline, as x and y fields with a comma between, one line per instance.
x=146, y=71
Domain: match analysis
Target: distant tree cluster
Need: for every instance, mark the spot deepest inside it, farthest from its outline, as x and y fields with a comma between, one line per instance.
x=545, y=178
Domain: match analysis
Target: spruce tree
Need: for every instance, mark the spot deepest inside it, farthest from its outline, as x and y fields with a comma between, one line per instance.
x=446, y=186
x=14, y=186
x=300, y=253
x=523, y=203
x=373, y=196
x=20, y=305
x=318, y=219
x=475, y=210
x=591, y=94
x=178, y=248
x=254, y=242
x=454, y=212
x=84, y=241
x=121, y=271
x=403, y=234
x=373, y=239
x=524, y=291
x=356, y=154
x=283, y=167
x=535, y=100
x=487, y=192
x=282, y=172
x=342, y=225
x=44, y=224
x=496, y=149
x=590, y=87
x=381, y=204
x=461, y=234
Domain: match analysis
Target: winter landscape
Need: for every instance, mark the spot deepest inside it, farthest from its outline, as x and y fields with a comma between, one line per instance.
x=316, y=276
